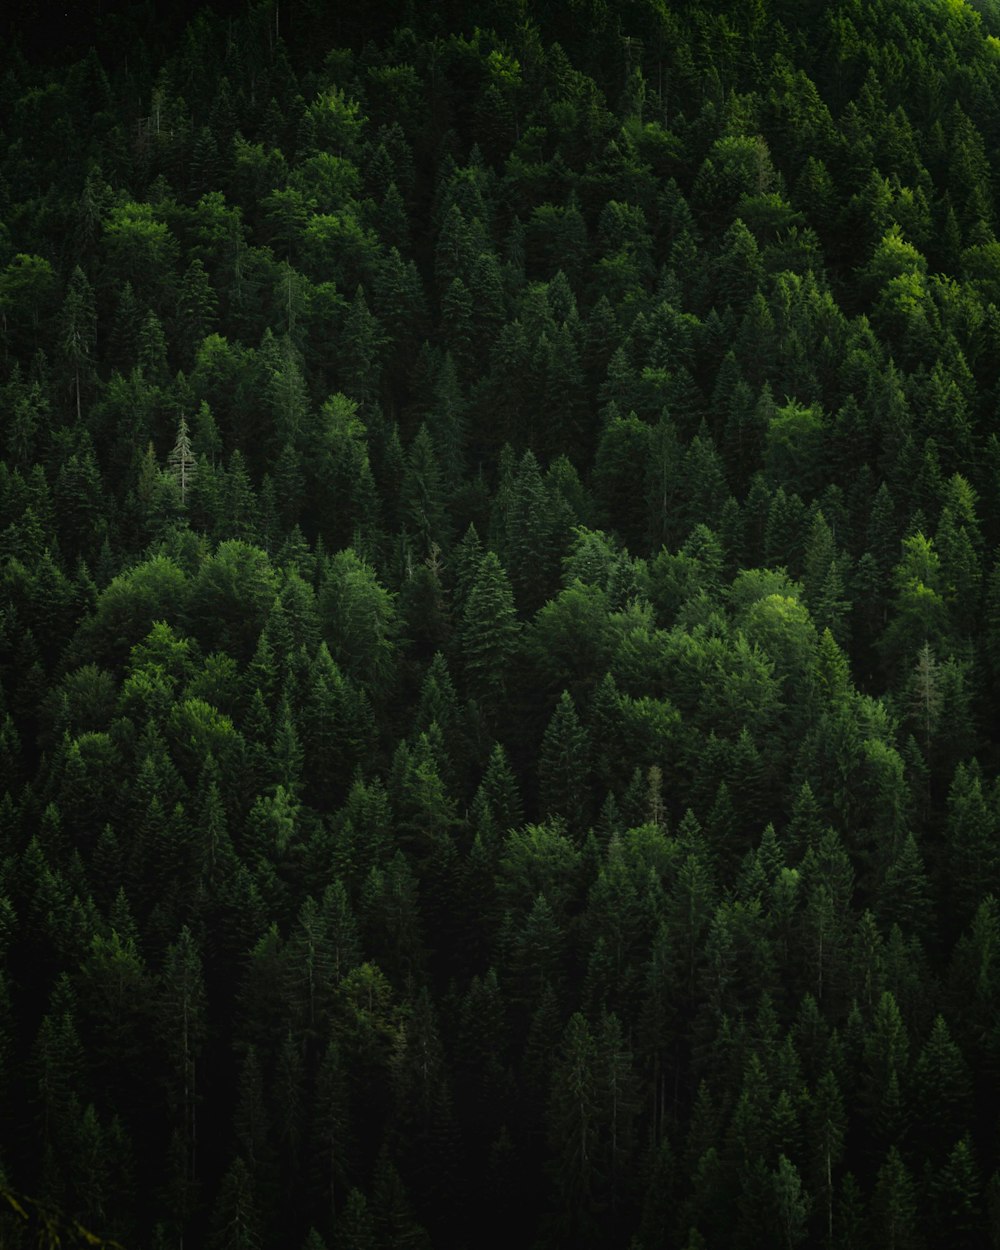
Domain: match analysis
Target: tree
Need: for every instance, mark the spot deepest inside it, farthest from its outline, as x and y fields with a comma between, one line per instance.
x=231, y=597
x=827, y=1123
x=827, y=887
x=361, y=368
x=624, y=444
x=886, y=1053
x=181, y=462
x=791, y=1203
x=894, y=1206
x=332, y=1139
x=251, y=1123
x=487, y=636
x=794, y=444
x=564, y=765
x=972, y=842
x=392, y=924
x=942, y=1082
x=905, y=896
x=139, y=248
x=116, y=996
x=689, y=908
x=619, y=1104
x=573, y=1121
x=423, y=495
x=287, y=395
x=78, y=332
x=235, y=1218
x=481, y=1075
x=27, y=288
x=361, y=621
x=738, y=271
x=956, y=1192
x=322, y=948
x=424, y=1116
x=447, y=423
x=919, y=617
x=356, y=1226
x=181, y=1008
x=500, y=789
x=538, y=525
x=197, y=308
x=392, y=1214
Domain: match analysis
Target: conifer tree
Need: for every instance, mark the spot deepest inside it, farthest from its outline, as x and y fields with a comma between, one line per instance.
x=181, y=462
x=574, y=1121
x=78, y=333
x=564, y=764
x=236, y=1220
x=894, y=1209
x=487, y=636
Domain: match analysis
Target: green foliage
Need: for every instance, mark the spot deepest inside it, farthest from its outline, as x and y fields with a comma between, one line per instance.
x=389, y=856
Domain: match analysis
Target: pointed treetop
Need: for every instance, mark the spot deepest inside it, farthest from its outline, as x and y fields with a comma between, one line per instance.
x=181, y=462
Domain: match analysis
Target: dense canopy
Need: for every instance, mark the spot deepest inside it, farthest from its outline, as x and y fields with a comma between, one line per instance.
x=500, y=625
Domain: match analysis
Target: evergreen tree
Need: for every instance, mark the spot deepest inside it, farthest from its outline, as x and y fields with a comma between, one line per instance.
x=894, y=1209
x=574, y=1120
x=181, y=462
x=563, y=765
x=236, y=1221
x=78, y=333
x=487, y=636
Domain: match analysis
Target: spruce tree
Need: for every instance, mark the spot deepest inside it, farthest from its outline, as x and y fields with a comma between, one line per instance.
x=487, y=637
x=181, y=462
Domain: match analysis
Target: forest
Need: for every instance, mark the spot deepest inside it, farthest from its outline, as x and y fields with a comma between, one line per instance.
x=500, y=625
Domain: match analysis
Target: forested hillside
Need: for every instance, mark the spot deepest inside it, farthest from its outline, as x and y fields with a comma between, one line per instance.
x=500, y=625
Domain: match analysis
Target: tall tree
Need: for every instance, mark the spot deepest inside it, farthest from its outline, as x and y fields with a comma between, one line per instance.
x=181, y=462
x=488, y=636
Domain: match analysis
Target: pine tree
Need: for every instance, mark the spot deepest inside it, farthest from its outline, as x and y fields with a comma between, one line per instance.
x=288, y=1109
x=78, y=333
x=182, y=1007
x=356, y=1228
x=181, y=462
x=942, y=1083
x=955, y=1195
x=827, y=1123
x=423, y=495
x=288, y=397
x=392, y=1214
x=564, y=765
x=574, y=1121
x=424, y=1119
x=312, y=969
x=153, y=351
x=973, y=854
x=905, y=897
x=235, y=1218
x=197, y=308
x=886, y=1052
x=447, y=424
x=487, y=637
x=619, y=1104
x=894, y=1221
x=537, y=535
x=791, y=1203
x=331, y=1138
x=251, y=1123
x=361, y=367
